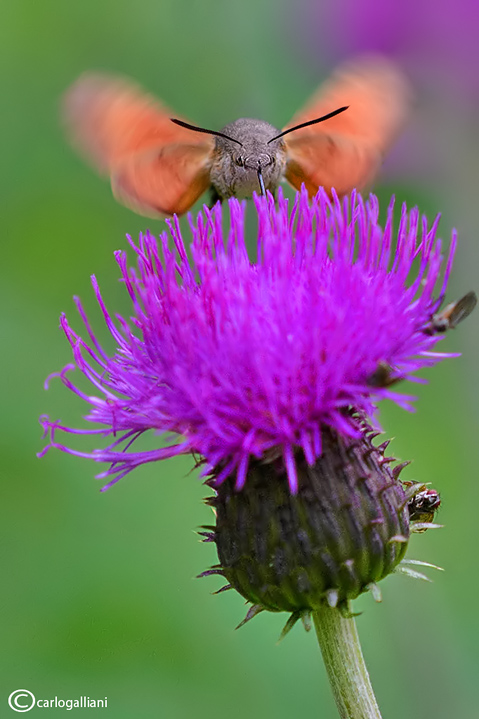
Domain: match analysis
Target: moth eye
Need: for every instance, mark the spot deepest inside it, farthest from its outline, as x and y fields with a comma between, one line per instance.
x=240, y=160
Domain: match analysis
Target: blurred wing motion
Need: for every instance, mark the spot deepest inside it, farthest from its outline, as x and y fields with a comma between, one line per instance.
x=156, y=167
x=346, y=151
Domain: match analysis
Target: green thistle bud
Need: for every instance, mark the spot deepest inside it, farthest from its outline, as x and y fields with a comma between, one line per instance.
x=346, y=528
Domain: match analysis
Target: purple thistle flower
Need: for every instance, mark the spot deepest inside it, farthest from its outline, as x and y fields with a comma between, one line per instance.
x=247, y=360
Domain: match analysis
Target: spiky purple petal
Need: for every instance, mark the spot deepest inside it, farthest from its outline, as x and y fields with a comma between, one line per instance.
x=240, y=359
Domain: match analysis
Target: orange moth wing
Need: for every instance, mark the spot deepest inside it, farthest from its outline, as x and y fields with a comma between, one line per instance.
x=157, y=168
x=346, y=151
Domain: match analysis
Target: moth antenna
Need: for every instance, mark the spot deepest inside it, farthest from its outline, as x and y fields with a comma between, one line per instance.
x=306, y=124
x=202, y=129
x=261, y=182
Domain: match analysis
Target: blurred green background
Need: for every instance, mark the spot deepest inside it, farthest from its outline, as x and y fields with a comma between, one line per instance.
x=99, y=597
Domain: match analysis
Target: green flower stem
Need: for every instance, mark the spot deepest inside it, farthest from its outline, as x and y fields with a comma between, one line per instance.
x=339, y=642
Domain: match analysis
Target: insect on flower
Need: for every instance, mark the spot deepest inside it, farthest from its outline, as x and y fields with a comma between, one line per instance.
x=423, y=506
x=160, y=166
x=452, y=315
x=383, y=376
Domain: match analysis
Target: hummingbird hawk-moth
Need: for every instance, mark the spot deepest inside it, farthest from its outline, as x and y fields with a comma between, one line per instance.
x=160, y=165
